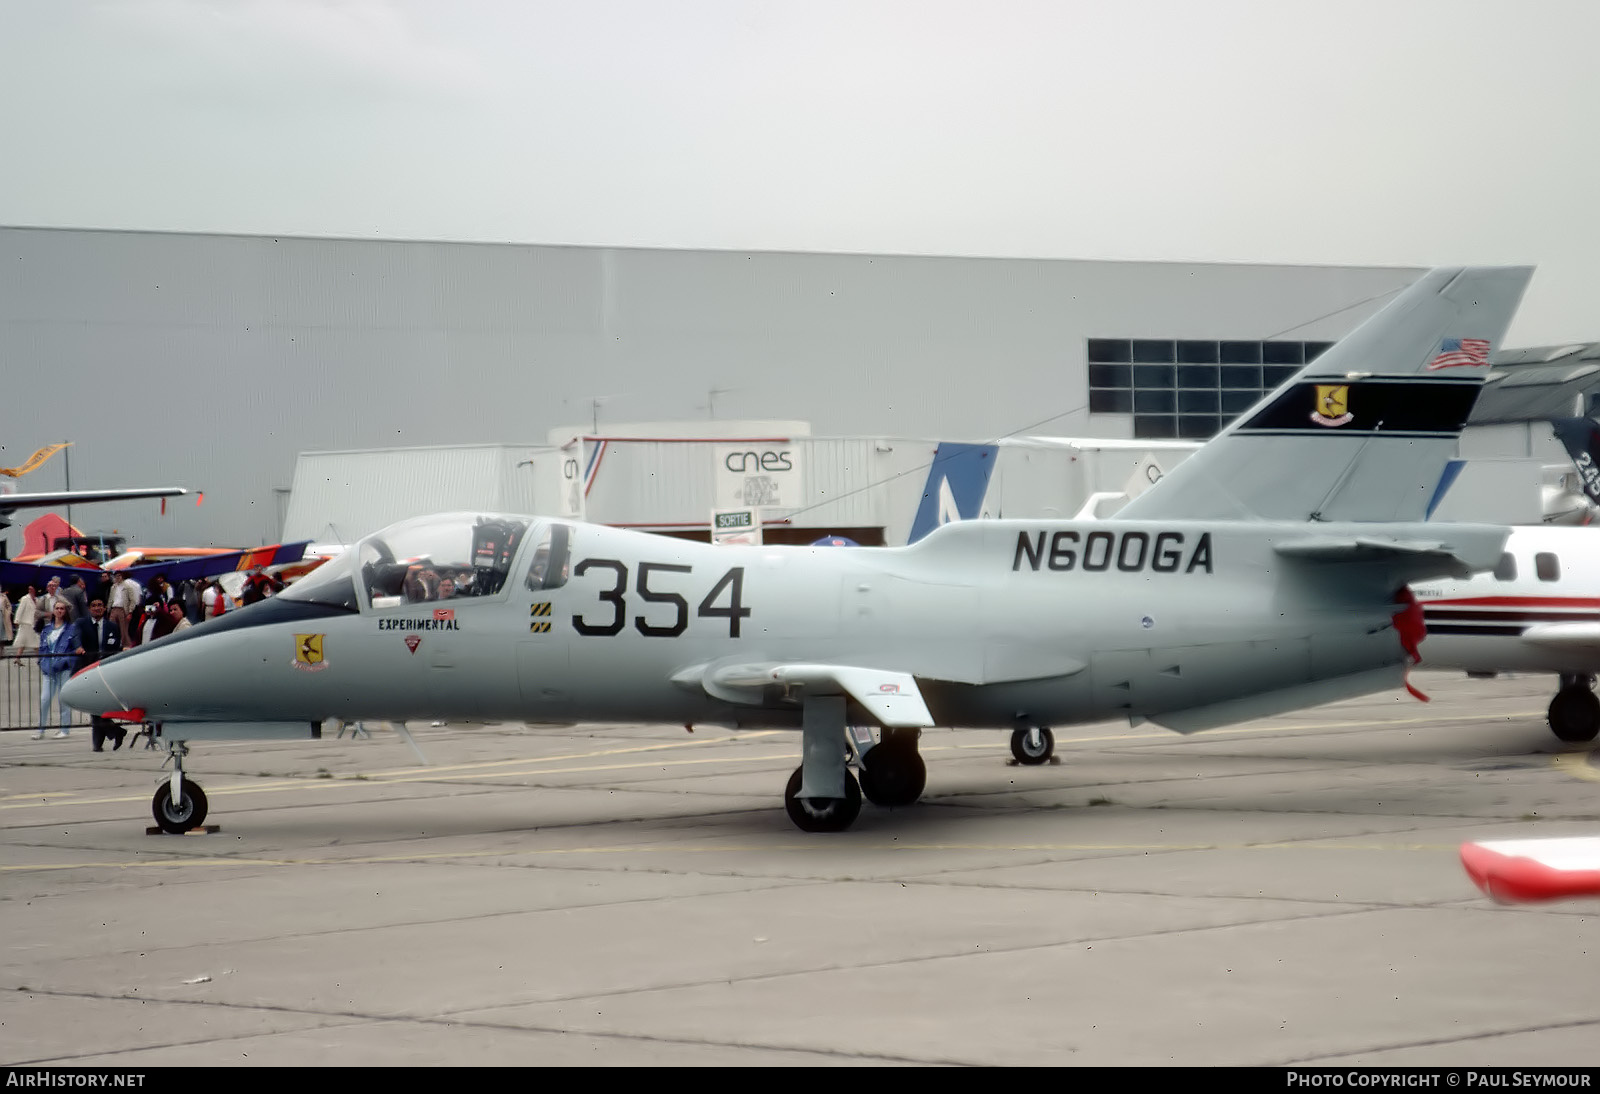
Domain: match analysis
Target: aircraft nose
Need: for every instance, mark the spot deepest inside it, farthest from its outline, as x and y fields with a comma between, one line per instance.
x=87, y=692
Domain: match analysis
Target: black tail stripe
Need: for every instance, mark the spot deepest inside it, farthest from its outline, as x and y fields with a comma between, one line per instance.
x=1394, y=406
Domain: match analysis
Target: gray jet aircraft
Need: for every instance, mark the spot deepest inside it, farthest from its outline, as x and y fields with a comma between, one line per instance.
x=1266, y=573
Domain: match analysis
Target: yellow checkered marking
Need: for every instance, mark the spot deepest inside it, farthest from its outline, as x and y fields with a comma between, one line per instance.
x=540, y=609
x=537, y=627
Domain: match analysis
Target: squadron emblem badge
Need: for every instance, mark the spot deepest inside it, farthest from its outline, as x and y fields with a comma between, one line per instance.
x=308, y=653
x=1333, y=405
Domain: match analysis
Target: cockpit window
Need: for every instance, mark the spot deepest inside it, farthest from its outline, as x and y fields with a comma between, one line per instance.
x=331, y=583
x=445, y=557
x=552, y=559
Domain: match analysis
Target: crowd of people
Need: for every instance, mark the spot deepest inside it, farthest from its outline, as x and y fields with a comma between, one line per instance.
x=67, y=626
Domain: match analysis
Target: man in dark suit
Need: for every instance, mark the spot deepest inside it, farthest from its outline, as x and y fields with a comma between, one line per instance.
x=101, y=638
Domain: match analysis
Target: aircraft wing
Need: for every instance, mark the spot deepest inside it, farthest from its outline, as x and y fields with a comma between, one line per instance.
x=1521, y=871
x=893, y=698
x=73, y=497
x=1530, y=384
x=185, y=569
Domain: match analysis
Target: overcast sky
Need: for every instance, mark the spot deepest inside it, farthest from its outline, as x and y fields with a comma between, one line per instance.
x=1405, y=132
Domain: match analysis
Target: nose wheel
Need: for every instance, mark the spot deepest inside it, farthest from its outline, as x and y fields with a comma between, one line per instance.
x=177, y=817
x=179, y=804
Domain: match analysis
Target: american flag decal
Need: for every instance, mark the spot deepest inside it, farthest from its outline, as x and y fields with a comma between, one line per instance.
x=1461, y=353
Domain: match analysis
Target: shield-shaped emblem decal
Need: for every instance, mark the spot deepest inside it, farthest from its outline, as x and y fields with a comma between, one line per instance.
x=308, y=653
x=1333, y=405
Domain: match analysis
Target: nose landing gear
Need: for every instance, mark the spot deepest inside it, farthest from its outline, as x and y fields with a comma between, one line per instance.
x=179, y=805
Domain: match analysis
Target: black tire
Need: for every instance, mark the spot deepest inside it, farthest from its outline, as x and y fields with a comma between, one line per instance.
x=190, y=812
x=822, y=814
x=1575, y=715
x=1029, y=755
x=893, y=775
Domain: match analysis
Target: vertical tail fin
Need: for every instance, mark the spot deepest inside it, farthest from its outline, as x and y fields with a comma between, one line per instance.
x=1581, y=436
x=1363, y=432
x=957, y=482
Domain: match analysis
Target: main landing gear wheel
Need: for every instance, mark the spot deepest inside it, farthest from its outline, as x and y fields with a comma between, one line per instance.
x=1575, y=713
x=189, y=811
x=1033, y=745
x=822, y=814
x=893, y=774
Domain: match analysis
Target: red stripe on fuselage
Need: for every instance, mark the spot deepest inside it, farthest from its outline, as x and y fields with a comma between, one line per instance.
x=1521, y=602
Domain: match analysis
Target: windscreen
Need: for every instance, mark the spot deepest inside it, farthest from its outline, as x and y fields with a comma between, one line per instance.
x=331, y=583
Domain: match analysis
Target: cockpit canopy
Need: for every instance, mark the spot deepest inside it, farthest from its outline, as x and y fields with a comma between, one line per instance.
x=441, y=557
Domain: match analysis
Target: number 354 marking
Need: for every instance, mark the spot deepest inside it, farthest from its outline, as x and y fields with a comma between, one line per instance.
x=731, y=584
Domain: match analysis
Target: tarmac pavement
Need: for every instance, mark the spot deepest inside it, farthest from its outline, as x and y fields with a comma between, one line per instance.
x=1285, y=892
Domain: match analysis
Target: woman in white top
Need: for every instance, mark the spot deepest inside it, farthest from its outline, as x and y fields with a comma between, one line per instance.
x=5, y=617
x=23, y=615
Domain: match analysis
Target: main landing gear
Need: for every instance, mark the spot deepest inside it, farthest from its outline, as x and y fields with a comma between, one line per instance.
x=822, y=794
x=1575, y=712
x=179, y=805
x=893, y=773
x=1033, y=745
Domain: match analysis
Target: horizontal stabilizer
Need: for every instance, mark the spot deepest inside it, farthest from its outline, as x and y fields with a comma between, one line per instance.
x=893, y=698
x=1419, y=560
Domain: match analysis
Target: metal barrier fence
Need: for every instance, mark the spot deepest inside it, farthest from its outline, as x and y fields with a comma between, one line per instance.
x=20, y=684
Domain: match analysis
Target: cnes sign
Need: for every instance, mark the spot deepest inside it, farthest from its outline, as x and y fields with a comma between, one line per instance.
x=758, y=473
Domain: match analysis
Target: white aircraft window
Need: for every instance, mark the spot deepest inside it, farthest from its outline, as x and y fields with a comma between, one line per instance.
x=1506, y=568
x=445, y=557
x=552, y=559
x=1547, y=566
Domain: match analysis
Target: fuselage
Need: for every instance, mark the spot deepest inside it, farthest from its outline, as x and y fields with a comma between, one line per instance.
x=1537, y=611
x=999, y=621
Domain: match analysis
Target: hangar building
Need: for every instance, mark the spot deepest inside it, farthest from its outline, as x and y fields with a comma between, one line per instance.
x=212, y=361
